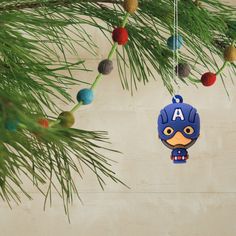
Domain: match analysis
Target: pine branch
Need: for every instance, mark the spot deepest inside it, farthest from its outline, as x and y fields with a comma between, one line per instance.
x=33, y=48
x=48, y=3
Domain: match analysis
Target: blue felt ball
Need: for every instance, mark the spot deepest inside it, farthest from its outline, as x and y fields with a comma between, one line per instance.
x=85, y=96
x=11, y=124
x=175, y=42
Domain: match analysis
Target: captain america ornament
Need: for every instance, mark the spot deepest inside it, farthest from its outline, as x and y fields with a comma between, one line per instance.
x=178, y=128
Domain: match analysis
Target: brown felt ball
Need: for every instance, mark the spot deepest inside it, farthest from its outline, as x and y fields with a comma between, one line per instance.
x=182, y=70
x=66, y=119
x=105, y=67
x=130, y=5
x=230, y=54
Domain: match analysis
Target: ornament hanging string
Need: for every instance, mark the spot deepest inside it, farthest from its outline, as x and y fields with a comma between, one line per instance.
x=176, y=49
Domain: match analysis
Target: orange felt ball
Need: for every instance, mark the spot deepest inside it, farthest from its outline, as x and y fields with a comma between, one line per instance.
x=120, y=35
x=130, y=6
x=43, y=122
x=208, y=79
x=230, y=54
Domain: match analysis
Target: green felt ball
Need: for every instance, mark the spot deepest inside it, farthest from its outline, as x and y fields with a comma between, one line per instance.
x=67, y=119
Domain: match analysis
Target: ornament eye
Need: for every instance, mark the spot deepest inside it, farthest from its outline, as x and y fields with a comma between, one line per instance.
x=188, y=130
x=168, y=131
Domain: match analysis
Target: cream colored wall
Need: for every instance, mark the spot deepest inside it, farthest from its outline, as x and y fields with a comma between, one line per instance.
x=196, y=199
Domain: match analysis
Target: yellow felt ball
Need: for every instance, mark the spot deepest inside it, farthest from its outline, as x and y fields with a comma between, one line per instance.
x=66, y=119
x=130, y=6
x=230, y=54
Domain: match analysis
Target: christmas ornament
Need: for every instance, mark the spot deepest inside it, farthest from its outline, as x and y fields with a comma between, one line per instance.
x=182, y=70
x=85, y=96
x=178, y=128
x=230, y=53
x=120, y=35
x=11, y=124
x=175, y=42
x=130, y=6
x=178, y=123
x=105, y=67
x=208, y=79
x=43, y=122
x=67, y=119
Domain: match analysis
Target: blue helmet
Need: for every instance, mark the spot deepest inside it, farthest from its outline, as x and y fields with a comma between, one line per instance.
x=178, y=124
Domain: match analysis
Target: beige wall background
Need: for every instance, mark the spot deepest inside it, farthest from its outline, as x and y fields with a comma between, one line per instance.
x=196, y=199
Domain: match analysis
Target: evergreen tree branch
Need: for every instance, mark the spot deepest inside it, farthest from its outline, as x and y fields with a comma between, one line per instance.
x=48, y=3
x=36, y=73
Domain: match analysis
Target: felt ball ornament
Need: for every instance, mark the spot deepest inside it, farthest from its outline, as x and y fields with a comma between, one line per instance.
x=43, y=122
x=120, y=35
x=208, y=79
x=130, y=6
x=85, y=96
x=105, y=67
x=67, y=119
x=182, y=70
x=230, y=54
x=11, y=124
x=175, y=42
x=178, y=128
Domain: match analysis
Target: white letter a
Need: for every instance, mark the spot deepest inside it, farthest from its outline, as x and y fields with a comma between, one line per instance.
x=178, y=113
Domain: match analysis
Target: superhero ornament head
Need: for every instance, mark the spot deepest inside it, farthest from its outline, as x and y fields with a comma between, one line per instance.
x=178, y=128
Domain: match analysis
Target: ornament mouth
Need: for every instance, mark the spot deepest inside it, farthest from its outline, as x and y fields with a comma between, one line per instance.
x=178, y=145
x=179, y=140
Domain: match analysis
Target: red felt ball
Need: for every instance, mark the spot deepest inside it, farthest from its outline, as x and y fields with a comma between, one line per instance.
x=208, y=79
x=120, y=35
x=43, y=122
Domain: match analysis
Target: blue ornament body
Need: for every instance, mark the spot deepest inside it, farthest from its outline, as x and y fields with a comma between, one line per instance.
x=179, y=128
x=175, y=42
x=85, y=96
x=179, y=155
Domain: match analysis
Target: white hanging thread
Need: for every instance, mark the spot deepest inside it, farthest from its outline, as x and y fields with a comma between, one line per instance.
x=175, y=41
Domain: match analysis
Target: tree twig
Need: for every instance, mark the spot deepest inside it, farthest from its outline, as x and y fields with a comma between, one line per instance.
x=36, y=4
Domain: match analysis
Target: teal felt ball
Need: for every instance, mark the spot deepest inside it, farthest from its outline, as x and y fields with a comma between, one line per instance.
x=11, y=124
x=85, y=96
x=175, y=42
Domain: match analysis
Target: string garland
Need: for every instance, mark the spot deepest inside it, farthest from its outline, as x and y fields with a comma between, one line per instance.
x=86, y=96
x=209, y=78
x=182, y=70
x=120, y=36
